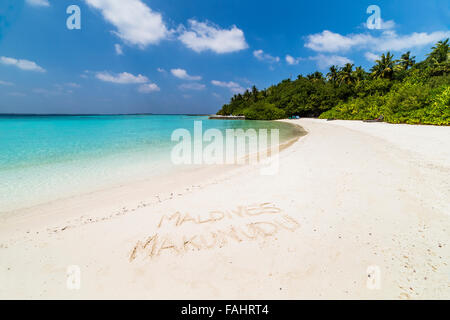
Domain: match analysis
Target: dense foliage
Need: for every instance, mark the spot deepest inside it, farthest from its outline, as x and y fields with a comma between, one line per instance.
x=399, y=90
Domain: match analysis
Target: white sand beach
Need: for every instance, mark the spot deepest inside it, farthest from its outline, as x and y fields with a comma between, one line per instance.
x=349, y=197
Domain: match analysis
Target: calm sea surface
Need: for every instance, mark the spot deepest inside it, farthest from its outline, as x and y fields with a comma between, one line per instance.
x=43, y=158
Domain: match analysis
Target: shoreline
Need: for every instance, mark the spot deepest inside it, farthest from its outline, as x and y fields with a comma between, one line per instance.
x=128, y=169
x=348, y=196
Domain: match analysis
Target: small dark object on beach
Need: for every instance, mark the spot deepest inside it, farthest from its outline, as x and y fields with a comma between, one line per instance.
x=379, y=119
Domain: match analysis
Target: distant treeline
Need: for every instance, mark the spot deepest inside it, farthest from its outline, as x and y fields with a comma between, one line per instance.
x=402, y=91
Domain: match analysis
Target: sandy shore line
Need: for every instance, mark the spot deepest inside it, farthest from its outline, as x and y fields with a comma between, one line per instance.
x=349, y=197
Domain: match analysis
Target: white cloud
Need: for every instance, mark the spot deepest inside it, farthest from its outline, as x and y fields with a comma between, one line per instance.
x=22, y=64
x=202, y=36
x=192, y=86
x=67, y=87
x=371, y=56
x=148, y=87
x=85, y=74
x=391, y=41
x=121, y=78
x=261, y=56
x=182, y=74
x=233, y=86
x=136, y=23
x=73, y=85
x=386, y=25
x=161, y=70
x=324, y=61
x=328, y=41
x=291, y=60
x=6, y=83
x=39, y=3
x=127, y=78
x=118, y=49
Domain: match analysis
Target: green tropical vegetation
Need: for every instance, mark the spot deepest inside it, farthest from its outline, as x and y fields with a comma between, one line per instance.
x=401, y=91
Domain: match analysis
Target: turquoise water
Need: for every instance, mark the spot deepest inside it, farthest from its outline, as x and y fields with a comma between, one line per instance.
x=44, y=158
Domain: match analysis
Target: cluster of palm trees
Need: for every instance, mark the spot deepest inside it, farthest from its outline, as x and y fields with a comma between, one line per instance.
x=440, y=53
x=384, y=68
x=346, y=74
x=386, y=65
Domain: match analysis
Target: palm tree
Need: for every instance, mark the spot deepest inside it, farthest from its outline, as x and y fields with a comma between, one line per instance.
x=315, y=76
x=384, y=67
x=407, y=61
x=440, y=52
x=333, y=75
x=255, y=93
x=247, y=95
x=346, y=74
x=359, y=74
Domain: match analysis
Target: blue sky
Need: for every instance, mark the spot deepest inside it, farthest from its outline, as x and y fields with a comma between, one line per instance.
x=162, y=56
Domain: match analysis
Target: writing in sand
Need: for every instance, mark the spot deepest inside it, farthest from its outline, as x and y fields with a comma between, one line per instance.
x=179, y=233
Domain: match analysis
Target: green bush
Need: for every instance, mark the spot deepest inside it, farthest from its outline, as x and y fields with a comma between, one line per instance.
x=439, y=113
x=410, y=103
x=263, y=111
x=404, y=101
x=369, y=107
